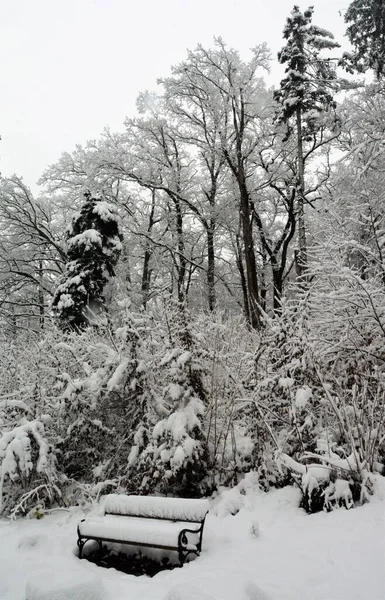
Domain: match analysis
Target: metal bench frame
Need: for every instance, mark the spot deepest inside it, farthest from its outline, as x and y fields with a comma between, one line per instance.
x=181, y=548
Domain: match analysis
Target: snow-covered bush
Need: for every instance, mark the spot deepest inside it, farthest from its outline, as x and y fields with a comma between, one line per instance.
x=330, y=483
x=125, y=386
x=27, y=469
x=53, y=390
x=318, y=385
x=227, y=350
x=172, y=456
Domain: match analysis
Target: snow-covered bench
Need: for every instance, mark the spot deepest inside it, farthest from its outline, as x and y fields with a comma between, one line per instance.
x=147, y=521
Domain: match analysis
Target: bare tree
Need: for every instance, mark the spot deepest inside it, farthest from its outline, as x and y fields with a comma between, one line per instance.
x=31, y=253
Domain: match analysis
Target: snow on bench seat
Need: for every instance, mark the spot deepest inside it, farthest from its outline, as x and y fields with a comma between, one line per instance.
x=175, y=509
x=136, y=530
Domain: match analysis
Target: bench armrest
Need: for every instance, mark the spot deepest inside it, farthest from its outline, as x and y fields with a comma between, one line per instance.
x=183, y=541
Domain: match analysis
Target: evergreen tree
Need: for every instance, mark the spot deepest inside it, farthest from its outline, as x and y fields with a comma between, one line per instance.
x=304, y=94
x=94, y=245
x=366, y=33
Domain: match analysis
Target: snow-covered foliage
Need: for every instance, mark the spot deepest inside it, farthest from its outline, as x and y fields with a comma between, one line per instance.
x=94, y=245
x=169, y=403
x=366, y=26
x=27, y=468
x=138, y=406
x=175, y=456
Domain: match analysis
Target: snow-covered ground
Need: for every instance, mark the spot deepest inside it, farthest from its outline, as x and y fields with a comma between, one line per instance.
x=269, y=550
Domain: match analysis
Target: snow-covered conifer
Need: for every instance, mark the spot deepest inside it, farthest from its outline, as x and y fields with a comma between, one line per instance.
x=304, y=95
x=94, y=246
x=366, y=33
x=307, y=89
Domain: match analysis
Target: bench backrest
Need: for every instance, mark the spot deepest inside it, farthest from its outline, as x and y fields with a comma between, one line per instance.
x=172, y=509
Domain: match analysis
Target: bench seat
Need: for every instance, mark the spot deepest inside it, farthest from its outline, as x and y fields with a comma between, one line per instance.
x=136, y=530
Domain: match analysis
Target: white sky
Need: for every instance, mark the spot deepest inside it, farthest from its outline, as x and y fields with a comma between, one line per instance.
x=71, y=67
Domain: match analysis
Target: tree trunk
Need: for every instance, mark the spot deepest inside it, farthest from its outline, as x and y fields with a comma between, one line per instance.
x=241, y=270
x=277, y=286
x=245, y=211
x=41, y=297
x=146, y=273
x=211, y=268
x=181, y=257
x=301, y=256
x=263, y=286
x=251, y=265
x=277, y=252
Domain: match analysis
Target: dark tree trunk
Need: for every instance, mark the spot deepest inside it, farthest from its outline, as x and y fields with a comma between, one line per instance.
x=277, y=253
x=301, y=261
x=241, y=270
x=263, y=286
x=251, y=265
x=181, y=277
x=277, y=286
x=41, y=297
x=237, y=167
x=211, y=268
x=146, y=273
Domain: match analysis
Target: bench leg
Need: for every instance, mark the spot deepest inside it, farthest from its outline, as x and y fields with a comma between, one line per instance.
x=80, y=544
x=184, y=554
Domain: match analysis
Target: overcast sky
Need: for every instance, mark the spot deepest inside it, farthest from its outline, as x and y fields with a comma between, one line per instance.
x=71, y=67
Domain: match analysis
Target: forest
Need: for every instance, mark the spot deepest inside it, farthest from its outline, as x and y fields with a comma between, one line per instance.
x=201, y=294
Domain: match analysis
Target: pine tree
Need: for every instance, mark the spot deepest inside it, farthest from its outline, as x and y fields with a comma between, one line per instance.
x=304, y=94
x=94, y=246
x=366, y=33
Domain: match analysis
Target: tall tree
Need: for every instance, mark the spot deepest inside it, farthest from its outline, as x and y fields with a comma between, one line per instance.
x=201, y=116
x=305, y=93
x=239, y=100
x=31, y=255
x=94, y=245
x=366, y=33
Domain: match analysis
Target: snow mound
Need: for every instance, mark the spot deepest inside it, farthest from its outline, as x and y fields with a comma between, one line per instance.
x=71, y=584
x=229, y=502
x=30, y=541
x=253, y=592
x=188, y=592
x=243, y=495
